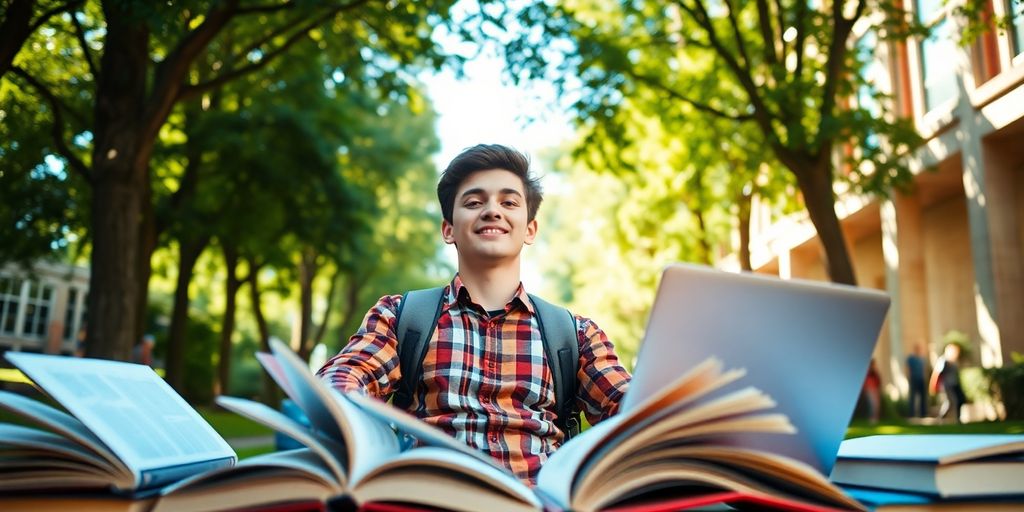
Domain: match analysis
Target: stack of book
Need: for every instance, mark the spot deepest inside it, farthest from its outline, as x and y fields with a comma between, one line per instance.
x=126, y=441
x=962, y=472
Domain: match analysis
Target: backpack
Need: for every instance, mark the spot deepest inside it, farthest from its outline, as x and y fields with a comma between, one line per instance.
x=417, y=319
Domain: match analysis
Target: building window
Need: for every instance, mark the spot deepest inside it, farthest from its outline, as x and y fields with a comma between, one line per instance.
x=10, y=305
x=875, y=75
x=37, y=310
x=938, y=76
x=1016, y=9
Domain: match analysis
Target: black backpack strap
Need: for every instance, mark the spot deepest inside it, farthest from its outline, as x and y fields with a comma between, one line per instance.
x=561, y=346
x=416, y=318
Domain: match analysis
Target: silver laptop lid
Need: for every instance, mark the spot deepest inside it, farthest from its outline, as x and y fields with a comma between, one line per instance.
x=806, y=344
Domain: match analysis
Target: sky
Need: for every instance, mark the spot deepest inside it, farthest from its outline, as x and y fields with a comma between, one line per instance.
x=480, y=107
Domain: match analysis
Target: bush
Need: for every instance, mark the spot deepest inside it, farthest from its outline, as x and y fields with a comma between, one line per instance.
x=1007, y=385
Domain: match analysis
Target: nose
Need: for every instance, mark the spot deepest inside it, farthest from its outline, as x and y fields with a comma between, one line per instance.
x=491, y=211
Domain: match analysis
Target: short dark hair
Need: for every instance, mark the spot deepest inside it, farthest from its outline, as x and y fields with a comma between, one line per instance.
x=483, y=157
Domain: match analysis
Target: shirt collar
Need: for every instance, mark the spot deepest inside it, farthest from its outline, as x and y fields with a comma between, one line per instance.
x=457, y=292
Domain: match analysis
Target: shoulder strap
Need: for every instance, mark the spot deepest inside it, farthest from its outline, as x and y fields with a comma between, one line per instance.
x=417, y=317
x=561, y=346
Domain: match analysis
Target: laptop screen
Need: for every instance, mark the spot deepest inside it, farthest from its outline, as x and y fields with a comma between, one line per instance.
x=806, y=344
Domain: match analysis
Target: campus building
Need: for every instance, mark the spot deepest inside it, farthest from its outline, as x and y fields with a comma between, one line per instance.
x=950, y=250
x=42, y=309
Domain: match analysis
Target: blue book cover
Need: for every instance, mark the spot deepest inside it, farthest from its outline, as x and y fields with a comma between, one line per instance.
x=939, y=466
x=936, y=449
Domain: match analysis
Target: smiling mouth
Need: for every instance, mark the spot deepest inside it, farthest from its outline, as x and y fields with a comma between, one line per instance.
x=491, y=231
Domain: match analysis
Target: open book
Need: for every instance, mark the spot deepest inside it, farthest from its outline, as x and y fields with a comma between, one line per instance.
x=125, y=430
x=663, y=454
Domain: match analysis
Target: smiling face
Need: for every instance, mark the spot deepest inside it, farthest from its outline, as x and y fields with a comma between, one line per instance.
x=490, y=220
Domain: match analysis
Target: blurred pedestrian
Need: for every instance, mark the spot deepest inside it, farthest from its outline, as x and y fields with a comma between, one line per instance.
x=917, y=400
x=947, y=375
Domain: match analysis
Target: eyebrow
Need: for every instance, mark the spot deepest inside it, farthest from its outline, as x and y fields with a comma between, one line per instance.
x=504, y=191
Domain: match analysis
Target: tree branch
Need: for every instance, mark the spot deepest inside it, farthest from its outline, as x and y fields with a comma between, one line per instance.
x=737, y=35
x=780, y=20
x=170, y=73
x=80, y=34
x=57, y=130
x=761, y=114
x=17, y=26
x=836, y=58
x=764, y=17
x=264, y=9
x=283, y=29
x=191, y=91
x=41, y=20
x=692, y=102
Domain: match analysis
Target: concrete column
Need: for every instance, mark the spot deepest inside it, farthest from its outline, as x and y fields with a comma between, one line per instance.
x=903, y=250
x=976, y=192
x=1002, y=170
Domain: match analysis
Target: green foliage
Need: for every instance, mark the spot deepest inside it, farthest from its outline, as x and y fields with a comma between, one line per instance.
x=1006, y=385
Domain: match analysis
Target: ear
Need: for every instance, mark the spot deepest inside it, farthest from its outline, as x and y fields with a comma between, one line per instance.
x=531, y=231
x=447, y=232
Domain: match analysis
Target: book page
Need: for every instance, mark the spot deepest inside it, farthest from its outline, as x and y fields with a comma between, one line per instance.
x=294, y=479
x=371, y=441
x=560, y=473
x=448, y=479
x=312, y=395
x=413, y=426
x=333, y=454
x=33, y=451
x=367, y=440
x=59, y=422
x=130, y=408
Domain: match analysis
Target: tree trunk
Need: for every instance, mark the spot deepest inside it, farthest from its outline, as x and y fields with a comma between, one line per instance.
x=322, y=328
x=189, y=251
x=227, y=326
x=702, y=239
x=307, y=272
x=149, y=236
x=14, y=31
x=744, y=218
x=269, y=394
x=120, y=169
x=815, y=183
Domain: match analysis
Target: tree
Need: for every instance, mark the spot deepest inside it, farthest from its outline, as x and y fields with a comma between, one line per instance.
x=788, y=71
x=145, y=67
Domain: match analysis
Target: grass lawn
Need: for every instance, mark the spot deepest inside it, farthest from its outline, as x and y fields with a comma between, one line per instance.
x=862, y=428
x=230, y=425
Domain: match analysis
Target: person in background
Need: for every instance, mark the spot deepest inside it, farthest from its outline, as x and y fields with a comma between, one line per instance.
x=872, y=393
x=142, y=353
x=917, y=400
x=947, y=375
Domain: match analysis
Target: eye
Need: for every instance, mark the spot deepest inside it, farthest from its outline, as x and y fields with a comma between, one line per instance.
x=510, y=203
x=473, y=203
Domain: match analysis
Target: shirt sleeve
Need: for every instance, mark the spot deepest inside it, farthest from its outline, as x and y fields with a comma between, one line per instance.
x=602, y=380
x=369, y=363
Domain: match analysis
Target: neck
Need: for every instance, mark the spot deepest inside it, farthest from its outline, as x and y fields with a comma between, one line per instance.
x=492, y=287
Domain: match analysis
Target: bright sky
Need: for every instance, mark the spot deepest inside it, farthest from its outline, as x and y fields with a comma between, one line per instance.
x=481, y=108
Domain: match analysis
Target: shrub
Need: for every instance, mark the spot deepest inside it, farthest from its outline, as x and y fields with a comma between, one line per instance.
x=1007, y=385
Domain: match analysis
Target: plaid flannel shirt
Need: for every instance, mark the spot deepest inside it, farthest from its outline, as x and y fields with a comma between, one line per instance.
x=485, y=378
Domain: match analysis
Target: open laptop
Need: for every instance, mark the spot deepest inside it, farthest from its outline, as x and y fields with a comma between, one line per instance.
x=806, y=344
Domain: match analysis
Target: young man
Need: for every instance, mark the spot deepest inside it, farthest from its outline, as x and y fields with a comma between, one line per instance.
x=485, y=379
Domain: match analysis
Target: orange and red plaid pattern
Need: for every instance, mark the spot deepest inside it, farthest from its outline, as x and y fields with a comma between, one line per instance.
x=485, y=377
